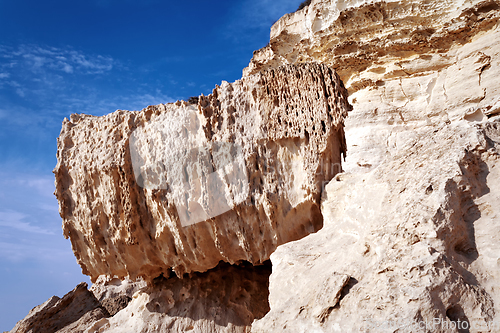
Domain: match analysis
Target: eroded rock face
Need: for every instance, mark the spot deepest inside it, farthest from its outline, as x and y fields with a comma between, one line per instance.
x=409, y=235
x=409, y=242
x=406, y=65
x=287, y=126
x=224, y=299
x=75, y=312
x=412, y=246
x=355, y=36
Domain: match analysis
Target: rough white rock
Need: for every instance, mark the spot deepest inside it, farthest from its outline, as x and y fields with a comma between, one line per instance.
x=226, y=299
x=412, y=242
x=413, y=221
x=73, y=313
x=406, y=64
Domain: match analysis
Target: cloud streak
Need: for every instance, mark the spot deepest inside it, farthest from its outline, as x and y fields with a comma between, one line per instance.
x=30, y=226
x=14, y=220
x=63, y=81
x=92, y=104
x=22, y=251
x=68, y=61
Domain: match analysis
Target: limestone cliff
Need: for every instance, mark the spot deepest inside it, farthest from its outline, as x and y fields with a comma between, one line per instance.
x=412, y=245
x=410, y=241
x=406, y=65
x=410, y=229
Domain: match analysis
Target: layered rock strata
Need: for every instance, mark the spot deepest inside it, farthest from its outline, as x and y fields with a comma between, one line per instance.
x=179, y=188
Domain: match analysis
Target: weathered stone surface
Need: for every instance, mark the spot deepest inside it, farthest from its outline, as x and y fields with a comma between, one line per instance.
x=114, y=294
x=406, y=65
x=410, y=239
x=287, y=123
x=225, y=299
x=110, y=288
x=363, y=37
x=75, y=312
x=410, y=243
x=413, y=222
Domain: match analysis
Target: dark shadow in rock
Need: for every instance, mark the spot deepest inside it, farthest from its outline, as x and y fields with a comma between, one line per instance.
x=235, y=294
x=347, y=288
x=115, y=304
x=475, y=172
x=458, y=318
x=462, y=211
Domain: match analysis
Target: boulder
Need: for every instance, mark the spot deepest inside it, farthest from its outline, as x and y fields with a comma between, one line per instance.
x=179, y=188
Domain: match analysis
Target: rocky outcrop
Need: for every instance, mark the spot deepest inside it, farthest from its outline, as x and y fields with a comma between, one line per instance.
x=178, y=188
x=74, y=313
x=225, y=299
x=411, y=246
x=359, y=38
x=406, y=65
x=114, y=294
x=409, y=239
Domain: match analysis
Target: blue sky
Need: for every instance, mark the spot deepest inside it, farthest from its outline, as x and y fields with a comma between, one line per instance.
x=95, y=56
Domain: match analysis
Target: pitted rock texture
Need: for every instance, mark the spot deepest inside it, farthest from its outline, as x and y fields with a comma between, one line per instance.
x=406, y=65
x=107, y=288
x=226, y=299
x=410, y=239
x=288, y=123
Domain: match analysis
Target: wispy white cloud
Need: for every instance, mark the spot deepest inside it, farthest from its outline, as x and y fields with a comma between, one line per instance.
x=15, y=220
x=37, y=59
x=21, y=92
x=93, y=65
x=43, y=185
x=36, y=189
x=140, y=101
x=20, y=251
x=30, y=226
x=4, y=75
x=51, y=208
x=60, y=82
